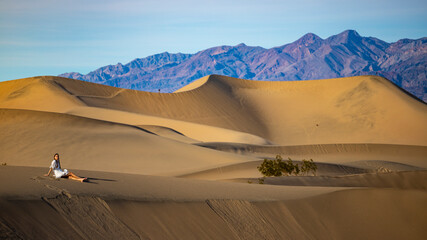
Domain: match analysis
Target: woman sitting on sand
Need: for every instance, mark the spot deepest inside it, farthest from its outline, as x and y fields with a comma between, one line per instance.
x=58, y=172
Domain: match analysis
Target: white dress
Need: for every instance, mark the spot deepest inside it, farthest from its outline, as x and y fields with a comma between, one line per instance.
x=57, y=171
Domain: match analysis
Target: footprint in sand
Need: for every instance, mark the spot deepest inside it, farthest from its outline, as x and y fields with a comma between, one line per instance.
x=58, y=190
x=37, y=178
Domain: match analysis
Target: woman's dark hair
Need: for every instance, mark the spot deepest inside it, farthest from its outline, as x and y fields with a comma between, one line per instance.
x=59, y=163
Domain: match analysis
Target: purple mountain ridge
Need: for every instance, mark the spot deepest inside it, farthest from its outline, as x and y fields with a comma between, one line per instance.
x=346, y=54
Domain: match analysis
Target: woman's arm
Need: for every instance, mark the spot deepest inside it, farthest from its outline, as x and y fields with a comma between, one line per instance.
x=50, y=170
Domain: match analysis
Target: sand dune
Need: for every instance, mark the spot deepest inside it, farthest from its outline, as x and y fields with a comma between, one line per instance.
x=39, y=93
x=30, y=184
x=247, y=171
x=335, y=153
x=389, y=215
x=400, y=180
x=212, y=109
x=354, y=214
x=98, y=145
x=348, y=110
x=148, y=157
x=168, y=133
x=151, y=207
x=195, y=131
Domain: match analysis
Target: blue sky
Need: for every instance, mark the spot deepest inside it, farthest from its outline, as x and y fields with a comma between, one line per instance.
x=50, y=37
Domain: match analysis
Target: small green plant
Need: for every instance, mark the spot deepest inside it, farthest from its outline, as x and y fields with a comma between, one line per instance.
x=277, y=167
x=261, y=180
x=308, y=166
x=288, y=167
x=270, y=168
x=296, y=170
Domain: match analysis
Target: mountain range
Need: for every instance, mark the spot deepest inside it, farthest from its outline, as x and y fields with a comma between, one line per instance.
x=346, y=54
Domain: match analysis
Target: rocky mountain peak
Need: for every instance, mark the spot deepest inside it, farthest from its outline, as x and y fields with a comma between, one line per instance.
x=310, y=57
x=308, y=39
x=345, y=37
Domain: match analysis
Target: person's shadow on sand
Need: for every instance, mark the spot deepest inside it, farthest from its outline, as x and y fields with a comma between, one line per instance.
x=95, y=180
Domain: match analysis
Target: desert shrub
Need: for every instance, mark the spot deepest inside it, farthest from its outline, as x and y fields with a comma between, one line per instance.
x=277, y=167
x=296, y=170
x=308, y=166
x=270, y=168
x=288, y=167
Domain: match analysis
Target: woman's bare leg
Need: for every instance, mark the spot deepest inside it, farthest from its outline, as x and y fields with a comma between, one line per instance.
x=75, y=177
x=72, y=174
